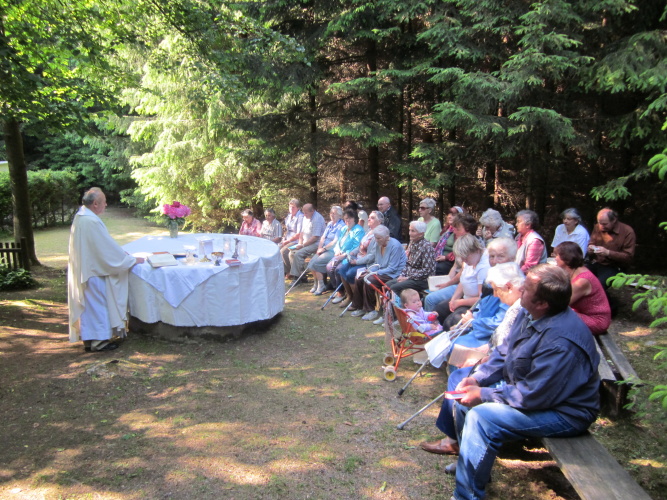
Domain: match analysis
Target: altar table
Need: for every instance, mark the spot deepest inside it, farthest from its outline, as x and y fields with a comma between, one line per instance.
x=202, y=294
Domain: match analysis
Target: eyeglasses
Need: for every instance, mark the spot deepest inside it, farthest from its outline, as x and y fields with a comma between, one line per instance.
x=423, y=208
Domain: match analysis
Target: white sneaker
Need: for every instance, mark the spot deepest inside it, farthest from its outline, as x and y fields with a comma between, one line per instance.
x=370, y=316
x=314, y=289
x=338, y=299
x=358, y=312
x=379, y=321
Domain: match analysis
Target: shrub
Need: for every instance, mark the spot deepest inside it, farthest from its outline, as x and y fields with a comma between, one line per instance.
x=16, y=280
x=54, y=197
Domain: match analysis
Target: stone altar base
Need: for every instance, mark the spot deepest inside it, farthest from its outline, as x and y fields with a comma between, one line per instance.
x=184, y=334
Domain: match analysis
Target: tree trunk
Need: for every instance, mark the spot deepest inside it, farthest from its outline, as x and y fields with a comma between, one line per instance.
x=496, y=185
x=312, y=178
x=490, y=183
x=18, y=179
x=373, y=151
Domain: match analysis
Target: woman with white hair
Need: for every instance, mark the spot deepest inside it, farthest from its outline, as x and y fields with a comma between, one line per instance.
x=571, y=230
x=493, y=226
x=389, y=258
x=427, y=215
x=506, y=281
x=420, y=264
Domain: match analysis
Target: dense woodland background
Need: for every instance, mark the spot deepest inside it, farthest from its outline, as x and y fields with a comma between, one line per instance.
x=226, y=105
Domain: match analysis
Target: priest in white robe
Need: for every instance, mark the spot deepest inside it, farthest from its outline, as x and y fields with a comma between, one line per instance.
x=97, y=279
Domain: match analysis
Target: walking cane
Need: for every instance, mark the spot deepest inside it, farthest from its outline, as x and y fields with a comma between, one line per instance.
x=331, y=296
x=296, y=281
x=345, y=310
x=453, y=334
x=400, y=392
x=402, y=425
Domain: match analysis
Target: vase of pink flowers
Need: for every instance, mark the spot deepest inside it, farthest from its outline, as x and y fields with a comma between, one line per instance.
x=175, y=214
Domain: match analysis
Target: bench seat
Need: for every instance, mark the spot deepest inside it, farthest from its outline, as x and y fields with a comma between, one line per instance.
x=592, y=471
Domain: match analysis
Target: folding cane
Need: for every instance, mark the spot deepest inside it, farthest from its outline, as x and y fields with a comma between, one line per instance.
x=296, y=281
x=402, y=425
x=331, y=296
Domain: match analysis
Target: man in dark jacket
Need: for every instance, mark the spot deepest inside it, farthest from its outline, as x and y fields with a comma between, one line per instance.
x=391, y=218
x=542, y=381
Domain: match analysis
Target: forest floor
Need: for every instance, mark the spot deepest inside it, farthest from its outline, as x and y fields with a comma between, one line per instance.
x=297, y=411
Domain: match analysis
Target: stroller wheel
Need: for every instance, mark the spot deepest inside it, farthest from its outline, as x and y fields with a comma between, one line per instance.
x=388, y=359
x=390, y=373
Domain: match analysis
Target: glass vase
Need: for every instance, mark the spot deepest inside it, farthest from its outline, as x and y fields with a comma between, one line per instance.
x=173, y=228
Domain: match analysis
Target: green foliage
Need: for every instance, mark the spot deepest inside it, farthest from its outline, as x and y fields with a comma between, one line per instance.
x=16, y=280
x=54, y=197
x=652, y=293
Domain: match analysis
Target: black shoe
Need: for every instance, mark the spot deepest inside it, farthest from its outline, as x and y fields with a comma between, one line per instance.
x=109, y=346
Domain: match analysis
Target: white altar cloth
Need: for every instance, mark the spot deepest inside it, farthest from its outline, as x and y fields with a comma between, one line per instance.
x=204, y=294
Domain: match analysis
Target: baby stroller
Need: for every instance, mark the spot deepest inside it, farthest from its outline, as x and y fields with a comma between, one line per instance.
x=402, y=340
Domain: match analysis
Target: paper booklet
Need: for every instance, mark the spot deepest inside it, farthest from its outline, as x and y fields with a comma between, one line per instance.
x=433, y=281
x=462, y=354
x=160, y=259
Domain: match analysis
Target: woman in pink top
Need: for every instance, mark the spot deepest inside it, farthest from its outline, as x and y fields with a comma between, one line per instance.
x=250, y=225
x=531, y=247
x=588, y=298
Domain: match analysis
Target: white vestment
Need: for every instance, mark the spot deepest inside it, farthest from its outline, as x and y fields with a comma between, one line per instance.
x=94, y=253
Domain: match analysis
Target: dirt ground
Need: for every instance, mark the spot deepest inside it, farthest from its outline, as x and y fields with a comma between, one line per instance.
x=297, y=411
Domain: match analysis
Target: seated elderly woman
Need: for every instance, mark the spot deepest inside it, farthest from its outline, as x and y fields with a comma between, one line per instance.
x=271, y=228
x=389, y=259
x=427, y=215
x=531, y=247
x=493, y=226
x=325, y=249
x=475, y=260
x=588, y=300
x=571, y=230
x=348, y=239
x=420, y=264
x=507, y=281
x=500, y=250
x=347, y=271
x=250, y=225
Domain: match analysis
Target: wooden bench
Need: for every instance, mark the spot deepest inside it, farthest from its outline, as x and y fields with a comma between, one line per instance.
x=587, y=465
x=592, y=471
x=617, y=376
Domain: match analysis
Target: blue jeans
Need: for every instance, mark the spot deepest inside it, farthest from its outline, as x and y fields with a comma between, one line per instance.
x=348, y=272
x=445, y=421
x=434, y=298
x=484, y=428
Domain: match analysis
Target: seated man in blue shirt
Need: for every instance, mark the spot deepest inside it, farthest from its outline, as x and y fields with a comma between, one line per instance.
x=547, y=367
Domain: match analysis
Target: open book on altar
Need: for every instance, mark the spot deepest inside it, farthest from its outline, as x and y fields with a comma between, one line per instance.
x=161, y=259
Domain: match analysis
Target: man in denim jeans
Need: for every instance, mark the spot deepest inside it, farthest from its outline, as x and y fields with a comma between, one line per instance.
x=547, y=369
